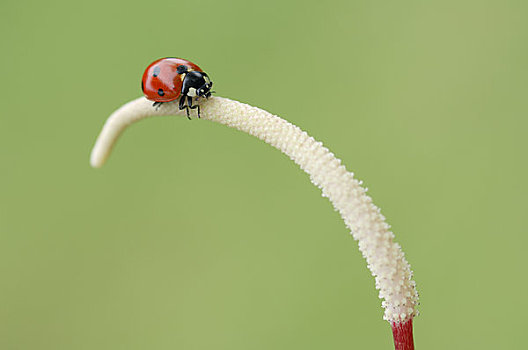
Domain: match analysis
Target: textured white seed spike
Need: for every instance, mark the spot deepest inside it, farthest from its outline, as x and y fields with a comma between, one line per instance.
x=384, y=257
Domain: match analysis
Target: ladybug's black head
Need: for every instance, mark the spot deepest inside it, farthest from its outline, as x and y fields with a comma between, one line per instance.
x=196, y=83
x=205, y=89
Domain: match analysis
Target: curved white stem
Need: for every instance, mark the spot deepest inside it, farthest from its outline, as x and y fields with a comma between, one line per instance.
x=384, y=257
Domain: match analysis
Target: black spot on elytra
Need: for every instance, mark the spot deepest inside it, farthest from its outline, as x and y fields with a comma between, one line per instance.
x=181, y=69
x=161, y=92
x=156, y=71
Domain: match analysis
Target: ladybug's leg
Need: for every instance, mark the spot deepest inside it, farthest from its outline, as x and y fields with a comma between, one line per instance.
x=181, y=105
x=157, y=105
x=189, y=103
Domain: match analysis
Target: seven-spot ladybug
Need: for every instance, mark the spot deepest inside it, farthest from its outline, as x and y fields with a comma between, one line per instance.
x=168, y=78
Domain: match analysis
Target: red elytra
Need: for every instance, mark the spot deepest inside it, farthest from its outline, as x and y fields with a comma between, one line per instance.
x=161, y=81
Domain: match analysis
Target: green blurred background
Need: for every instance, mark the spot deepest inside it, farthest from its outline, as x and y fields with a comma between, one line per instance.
x=195, y=236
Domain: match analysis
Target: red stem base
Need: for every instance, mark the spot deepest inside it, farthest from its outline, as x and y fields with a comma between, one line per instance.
x=403, y=335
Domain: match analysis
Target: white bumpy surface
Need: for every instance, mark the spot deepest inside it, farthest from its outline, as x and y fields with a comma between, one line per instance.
x=384, y=257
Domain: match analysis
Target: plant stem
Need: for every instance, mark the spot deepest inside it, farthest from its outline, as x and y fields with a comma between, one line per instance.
x=385, y=258
x=402, y=333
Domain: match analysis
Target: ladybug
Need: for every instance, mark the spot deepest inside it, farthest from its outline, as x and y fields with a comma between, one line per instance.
x=170, y=78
